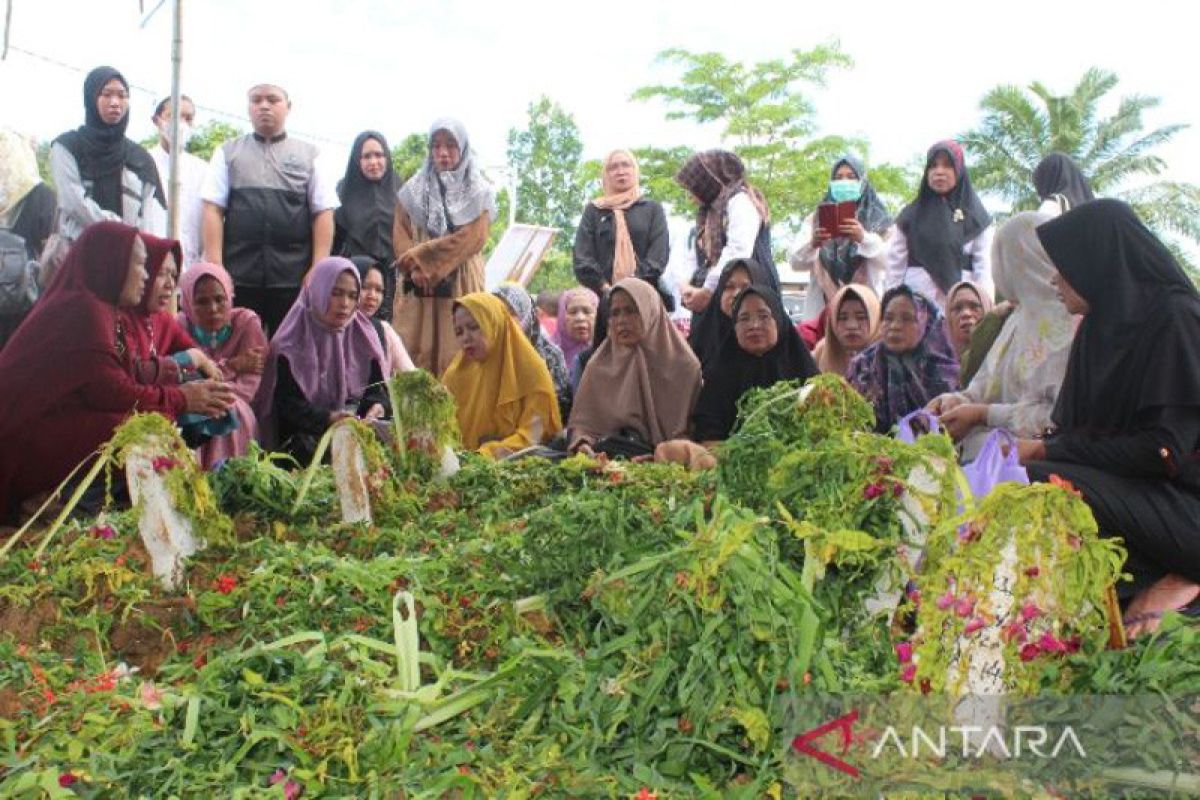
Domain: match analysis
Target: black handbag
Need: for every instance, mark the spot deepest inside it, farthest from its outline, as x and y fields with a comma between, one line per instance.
x=625, y=443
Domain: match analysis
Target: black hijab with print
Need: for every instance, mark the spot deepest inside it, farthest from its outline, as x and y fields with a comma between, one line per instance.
x=1138, y=348
x=102, y=151
x=839, y=256
x=938, y=227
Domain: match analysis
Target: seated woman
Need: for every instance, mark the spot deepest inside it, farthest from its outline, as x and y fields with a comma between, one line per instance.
x=731, y=222
x=1018, y=382
x=966, y=305
x=945, y=235
x=372, y=302
x=326, y=362
x=1127, y=418
x=158, y=348
x=621, y=234
x=850, y=326
x=910, y=365
x=642, y=381
x=520, y=305
x=764, y=350
x=575, y=326
x=712, y=326
x=66, y=386
x=505, y=397
x=233, y=338
x=857, y=253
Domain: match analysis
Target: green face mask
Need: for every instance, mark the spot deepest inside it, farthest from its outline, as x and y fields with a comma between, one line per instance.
x=845, y=189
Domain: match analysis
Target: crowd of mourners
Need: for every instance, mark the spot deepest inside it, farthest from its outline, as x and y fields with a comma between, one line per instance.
x=1072, y=327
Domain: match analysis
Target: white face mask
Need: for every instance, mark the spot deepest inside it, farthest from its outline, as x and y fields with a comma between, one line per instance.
x=185, y=131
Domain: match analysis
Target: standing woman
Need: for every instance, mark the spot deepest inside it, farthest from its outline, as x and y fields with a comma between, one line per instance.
x=99, y=174
x=643, y=380
x=910, y=365
x=575, y=326
x=858, y=251
x=27, y=207
x=621, y=234
x=66, y=386
x=851, y=325
x=1060, y=184
x=731, y=222
x=326, y=362
x=233, y=338
x=440, y=228
x=500, y=384
x=520, y=305
x=363, y=222
x=1128, y=417
x=945, y=235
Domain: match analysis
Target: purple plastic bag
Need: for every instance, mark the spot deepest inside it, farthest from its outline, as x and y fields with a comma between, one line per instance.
x=907, y=432
x=994, y=466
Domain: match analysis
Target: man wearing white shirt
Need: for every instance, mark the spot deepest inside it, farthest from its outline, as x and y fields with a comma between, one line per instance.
x=191, y=175
x=268, y=209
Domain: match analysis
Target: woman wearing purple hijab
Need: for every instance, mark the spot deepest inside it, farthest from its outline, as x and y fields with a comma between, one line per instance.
x=326, y=362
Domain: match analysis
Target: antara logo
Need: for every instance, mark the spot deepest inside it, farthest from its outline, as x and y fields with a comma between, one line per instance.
x=1020, y=741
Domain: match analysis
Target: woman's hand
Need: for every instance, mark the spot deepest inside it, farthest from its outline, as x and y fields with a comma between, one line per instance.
x=696, y=300
x=1031, y=450
x=819, y=236
x=962, y=418
x=204, y=365
x=852, y=229
x=252, y=360
x=944, y=402
x=210, y=398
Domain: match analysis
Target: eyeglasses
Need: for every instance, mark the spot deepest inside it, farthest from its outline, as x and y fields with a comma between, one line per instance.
x=746, y=320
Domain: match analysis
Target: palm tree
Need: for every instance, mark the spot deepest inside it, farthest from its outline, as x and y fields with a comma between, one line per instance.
x=1019, y=127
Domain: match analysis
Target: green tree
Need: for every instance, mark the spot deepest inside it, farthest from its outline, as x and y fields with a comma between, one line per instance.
x=765, y=115
x=211, y=135
x=1021, y=126
x=546, y=159
x=409, y=155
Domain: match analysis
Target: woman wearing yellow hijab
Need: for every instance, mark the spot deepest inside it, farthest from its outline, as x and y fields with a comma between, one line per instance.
x=505, y=396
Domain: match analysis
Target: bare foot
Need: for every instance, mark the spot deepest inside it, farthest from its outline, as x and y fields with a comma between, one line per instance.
x=1170, y=593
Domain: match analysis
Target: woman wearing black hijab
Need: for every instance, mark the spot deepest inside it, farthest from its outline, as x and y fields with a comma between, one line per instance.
x=1060, y=184
x=101, y=175
x=1128, y=417
x=363, y=222
x=763, y=349
x=712, y=326
x=945, y=235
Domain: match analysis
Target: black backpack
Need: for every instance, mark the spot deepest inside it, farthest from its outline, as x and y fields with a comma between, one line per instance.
x=18, y=275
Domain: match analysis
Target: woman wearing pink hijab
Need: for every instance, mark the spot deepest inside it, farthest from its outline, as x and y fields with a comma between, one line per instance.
x=233, y=338
x=576, y=328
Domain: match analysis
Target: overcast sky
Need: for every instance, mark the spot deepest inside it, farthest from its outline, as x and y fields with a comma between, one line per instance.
x=920, y=67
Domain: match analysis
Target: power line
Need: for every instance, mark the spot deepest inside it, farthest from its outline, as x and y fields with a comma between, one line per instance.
x=156, y=96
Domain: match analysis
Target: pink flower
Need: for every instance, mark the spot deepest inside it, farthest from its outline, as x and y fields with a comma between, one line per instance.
x=964, y=606
x=163, y=463
x=897, y=489
x=1029, y=652
x=1074, y=541
x=873, y=490
x=279, y=775
x=1072, y=644
x=1030, y=611
x=291, y=789
x=975, y=624
x=945, y=601
x=103, y=532
x=151, y=695
x=67, y=779
x=1049, y=643
x=908, y=673
x=904, y=651
x=225, y=583
x=884, y=464
x=1032, y=572
x=1014, y=631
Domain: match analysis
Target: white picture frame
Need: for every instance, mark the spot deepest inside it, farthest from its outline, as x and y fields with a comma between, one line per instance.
x=518, y=255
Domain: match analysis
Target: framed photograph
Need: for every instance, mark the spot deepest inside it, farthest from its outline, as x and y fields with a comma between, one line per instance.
x=518, y=255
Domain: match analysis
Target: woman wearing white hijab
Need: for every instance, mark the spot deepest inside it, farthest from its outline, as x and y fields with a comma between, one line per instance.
x=442, y=221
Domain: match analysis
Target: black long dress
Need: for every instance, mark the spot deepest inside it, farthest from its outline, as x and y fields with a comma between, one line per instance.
x=1128, y=415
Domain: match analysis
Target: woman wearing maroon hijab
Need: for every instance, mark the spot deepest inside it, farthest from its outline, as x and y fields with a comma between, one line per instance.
x=66, y=386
